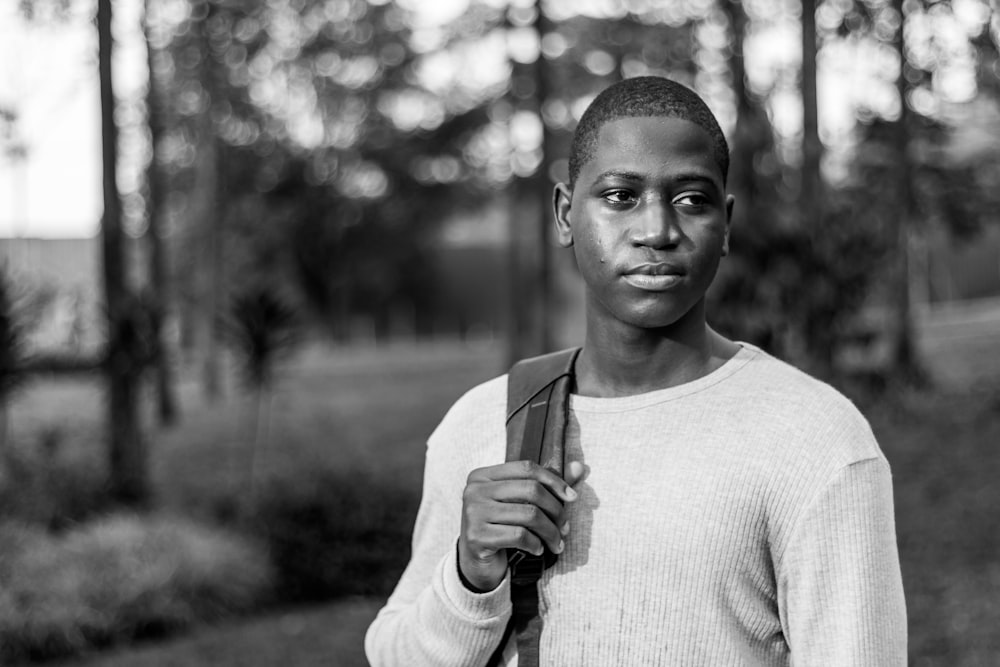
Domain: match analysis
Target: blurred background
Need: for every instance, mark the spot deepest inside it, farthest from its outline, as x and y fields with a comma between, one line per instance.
x=254, y=249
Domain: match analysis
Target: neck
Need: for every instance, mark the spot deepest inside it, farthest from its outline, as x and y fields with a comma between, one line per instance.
x=622, y=360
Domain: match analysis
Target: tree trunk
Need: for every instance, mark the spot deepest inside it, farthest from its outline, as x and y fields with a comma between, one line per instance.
x=810, y=193
x=159, y=282
x=741, y=165
x=127, y=452
x=209, y=228
x=261, y=434
x=819, y=341
x=542, y=186
x=530, y=264
x=4, y=426
x=903, y=358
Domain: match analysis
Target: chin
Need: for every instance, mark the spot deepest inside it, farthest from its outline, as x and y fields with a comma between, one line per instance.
x=652, y=318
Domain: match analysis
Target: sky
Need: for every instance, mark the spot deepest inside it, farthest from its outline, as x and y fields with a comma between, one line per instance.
x=48, y=73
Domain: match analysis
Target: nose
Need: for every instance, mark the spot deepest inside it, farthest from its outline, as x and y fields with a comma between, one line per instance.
x=656, y=226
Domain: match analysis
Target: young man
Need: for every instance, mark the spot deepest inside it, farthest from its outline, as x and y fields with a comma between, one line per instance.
x=719, y=508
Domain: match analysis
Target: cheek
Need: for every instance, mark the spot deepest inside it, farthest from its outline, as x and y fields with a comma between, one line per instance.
x=593, y=251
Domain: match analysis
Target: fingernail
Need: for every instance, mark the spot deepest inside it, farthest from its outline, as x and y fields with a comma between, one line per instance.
x=565, y=528
x=562, y=545
x=570, y=493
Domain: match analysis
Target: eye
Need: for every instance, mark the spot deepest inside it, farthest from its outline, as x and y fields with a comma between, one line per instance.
x=691, y=200
x=619, y=196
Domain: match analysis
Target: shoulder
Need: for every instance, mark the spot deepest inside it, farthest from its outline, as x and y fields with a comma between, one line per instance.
x=808, y=415
x=472, y=432
x=479, y=403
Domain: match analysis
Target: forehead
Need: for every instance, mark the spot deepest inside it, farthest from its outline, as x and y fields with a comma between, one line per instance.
x=653, y=145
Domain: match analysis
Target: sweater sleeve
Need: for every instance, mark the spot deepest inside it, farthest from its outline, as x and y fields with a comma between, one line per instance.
x=431, y=618
x=839, y=585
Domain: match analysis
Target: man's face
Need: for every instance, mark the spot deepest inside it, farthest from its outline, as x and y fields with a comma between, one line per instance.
x=648, y=220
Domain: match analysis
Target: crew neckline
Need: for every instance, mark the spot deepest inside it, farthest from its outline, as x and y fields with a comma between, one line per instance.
x=744, y=355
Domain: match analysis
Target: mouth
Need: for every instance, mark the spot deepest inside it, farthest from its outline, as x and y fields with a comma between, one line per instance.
x=653, y=277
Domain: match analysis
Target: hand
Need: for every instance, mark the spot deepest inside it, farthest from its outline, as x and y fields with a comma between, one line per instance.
x=515, y=505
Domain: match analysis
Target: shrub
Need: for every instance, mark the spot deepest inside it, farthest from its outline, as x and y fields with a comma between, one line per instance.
x=40, y=485
x=335, y=533
x=120, y=578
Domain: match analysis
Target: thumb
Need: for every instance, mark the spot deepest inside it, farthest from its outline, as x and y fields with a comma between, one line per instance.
x=575, y=471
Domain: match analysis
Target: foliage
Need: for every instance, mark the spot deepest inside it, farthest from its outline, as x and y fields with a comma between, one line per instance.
x=260, y=327
x=43, y=486
x=796, y=287
x=13, y=343
x=121, y=578
x=325, y=140
x=334, y=532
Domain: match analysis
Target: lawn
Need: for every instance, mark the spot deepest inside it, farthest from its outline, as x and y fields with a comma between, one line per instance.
x=371, y=410
x=328, y=636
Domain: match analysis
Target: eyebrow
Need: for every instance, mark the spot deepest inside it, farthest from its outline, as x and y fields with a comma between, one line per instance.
x=633, y=176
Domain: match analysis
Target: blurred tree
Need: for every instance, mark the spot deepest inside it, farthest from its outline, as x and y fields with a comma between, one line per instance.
x=321, y=125
x=903, y=356
x=12, y=351
x=530, y=252
x=811, y=193
x=161, y=291
x=919, y=169
x=260, y=327
x=746, y=300
x=786, y=285
x=8, y=132
x=128, y=474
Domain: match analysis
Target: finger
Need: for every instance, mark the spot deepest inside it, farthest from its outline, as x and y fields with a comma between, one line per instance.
x=531, y=470
x=527, y=491
x=530, y=517
x=575, y=472
x=497, y=536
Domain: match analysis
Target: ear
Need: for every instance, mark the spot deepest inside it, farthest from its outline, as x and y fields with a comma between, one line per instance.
x=730, y=203
x=562, y=200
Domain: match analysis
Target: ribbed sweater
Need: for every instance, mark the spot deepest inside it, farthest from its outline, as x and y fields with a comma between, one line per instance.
x=744, y=518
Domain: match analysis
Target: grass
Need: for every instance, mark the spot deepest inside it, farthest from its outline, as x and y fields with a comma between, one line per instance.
x=327, y=636
x=370, y=411
x=945, y=455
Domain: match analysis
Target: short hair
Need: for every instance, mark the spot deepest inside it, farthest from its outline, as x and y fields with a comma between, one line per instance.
x=644, y=96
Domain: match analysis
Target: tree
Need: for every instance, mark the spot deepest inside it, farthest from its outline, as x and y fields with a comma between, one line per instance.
x=128, y=474
x=530, y=254
x=12, y=351
x=260, y=327
x=161, y=292
x=811, y=194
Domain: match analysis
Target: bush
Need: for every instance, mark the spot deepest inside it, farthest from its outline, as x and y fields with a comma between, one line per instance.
x=39, y=485
x=335, y=533
x=120, y=578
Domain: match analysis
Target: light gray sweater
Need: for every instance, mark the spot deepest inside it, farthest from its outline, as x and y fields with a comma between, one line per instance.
x=745, y=518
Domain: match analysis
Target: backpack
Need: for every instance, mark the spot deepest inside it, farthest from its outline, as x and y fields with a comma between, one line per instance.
x=537, y=408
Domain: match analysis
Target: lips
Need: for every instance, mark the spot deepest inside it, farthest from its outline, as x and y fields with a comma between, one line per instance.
x=653, y=277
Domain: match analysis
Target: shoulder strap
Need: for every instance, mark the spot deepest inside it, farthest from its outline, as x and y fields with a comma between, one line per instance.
x=537, y=395
x=537, y=407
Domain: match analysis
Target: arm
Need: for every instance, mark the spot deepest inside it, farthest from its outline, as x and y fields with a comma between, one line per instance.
x=840, y=592
x=431, y=618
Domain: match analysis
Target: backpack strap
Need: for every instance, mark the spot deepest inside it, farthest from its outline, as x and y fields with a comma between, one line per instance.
x=537, y=408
